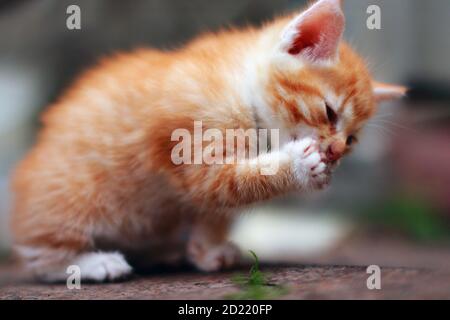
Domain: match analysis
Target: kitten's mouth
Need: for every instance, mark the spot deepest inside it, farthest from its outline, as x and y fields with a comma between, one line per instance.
x=331, y=164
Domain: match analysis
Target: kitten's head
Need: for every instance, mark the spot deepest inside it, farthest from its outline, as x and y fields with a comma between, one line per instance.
x=317, y=85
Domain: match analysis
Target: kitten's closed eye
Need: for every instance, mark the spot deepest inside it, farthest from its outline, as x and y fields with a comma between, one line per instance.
x=332, y=115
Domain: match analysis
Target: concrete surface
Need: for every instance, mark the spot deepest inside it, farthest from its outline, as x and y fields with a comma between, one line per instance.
x=303, y=282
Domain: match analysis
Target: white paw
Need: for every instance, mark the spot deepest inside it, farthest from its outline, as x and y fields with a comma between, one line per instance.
x=214, y=258
x=308, y=165
x=98, y=266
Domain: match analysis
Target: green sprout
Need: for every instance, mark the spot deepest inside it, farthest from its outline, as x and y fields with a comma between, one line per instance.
x=255, y=285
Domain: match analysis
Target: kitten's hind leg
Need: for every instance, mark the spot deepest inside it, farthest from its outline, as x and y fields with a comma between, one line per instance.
x=208, y=248
x=51, y=265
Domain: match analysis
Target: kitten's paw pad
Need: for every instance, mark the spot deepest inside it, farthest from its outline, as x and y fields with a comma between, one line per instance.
x=311, y=162
x=100, y=267
x=215, y=258
x=318, y=175
x=308, y=164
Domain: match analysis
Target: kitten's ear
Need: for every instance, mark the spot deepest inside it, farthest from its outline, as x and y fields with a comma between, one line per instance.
x=384, y=92
x=315, y=34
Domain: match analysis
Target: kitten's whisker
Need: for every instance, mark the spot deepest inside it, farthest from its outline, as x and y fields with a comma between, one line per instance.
x=383, y=116
x=381, y=129
x=396, y=125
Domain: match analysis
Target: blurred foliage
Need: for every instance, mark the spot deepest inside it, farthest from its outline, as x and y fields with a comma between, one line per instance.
x=411, y=215
x=255, y=285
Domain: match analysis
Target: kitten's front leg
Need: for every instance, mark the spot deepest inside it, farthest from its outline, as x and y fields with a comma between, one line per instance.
x=297, y=166
x=208, y=248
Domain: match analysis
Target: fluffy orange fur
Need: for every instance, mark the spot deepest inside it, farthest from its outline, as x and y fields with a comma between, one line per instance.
x=100, y=178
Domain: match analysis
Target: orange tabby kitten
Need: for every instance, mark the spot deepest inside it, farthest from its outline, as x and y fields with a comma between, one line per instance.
x=100, y=190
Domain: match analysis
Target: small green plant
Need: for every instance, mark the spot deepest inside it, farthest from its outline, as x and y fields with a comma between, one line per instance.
x=255, y=285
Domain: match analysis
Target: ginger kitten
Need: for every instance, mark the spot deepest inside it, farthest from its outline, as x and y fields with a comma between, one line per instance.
x=100, y=190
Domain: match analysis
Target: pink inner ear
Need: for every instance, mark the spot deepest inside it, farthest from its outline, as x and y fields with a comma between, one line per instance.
x=319, y=31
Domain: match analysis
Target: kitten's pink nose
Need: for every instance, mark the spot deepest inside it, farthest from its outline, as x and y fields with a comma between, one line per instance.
x=336, y=150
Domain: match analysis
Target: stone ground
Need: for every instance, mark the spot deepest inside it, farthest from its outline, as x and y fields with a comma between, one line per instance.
x=408, y=271
x=302, y=282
